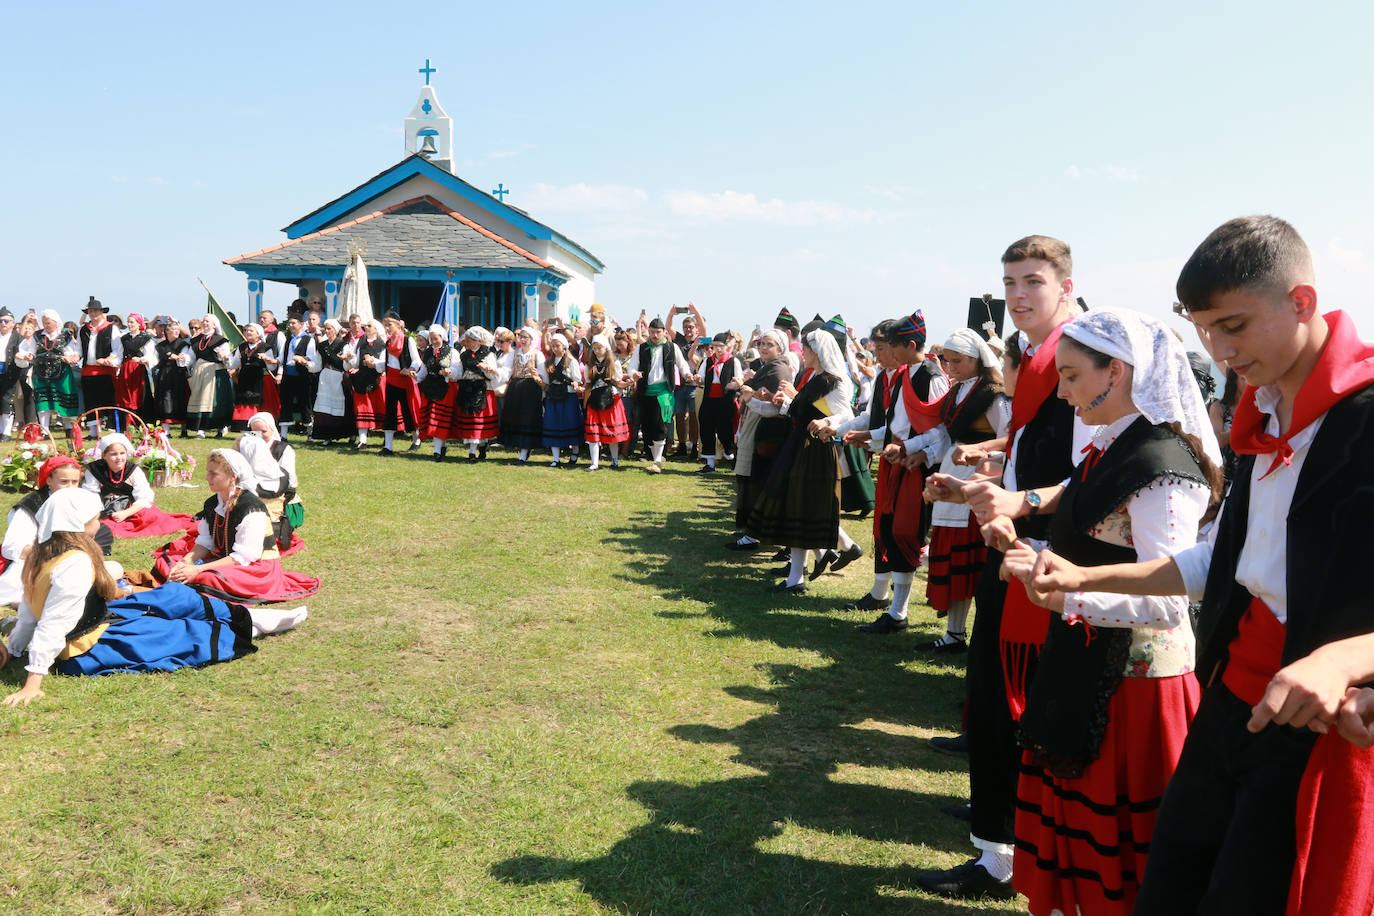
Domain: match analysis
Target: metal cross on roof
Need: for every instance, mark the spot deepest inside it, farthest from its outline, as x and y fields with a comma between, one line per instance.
x=500, y=192
x=427, y=70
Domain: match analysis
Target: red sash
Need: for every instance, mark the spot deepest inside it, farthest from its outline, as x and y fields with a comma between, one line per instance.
x=1346, y=365
x=1332, y=873
x=1035, y=381
x=899, y=493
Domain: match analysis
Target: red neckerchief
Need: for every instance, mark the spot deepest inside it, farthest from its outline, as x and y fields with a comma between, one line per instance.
x=1036, y=381
x=805, y=377
x=395, y=343
x=922, y=415
x=1346, y=365
x=97, y=328
x=1091, y=455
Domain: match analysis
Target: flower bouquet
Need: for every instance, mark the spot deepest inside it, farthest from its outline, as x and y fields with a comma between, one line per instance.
x=19, y=469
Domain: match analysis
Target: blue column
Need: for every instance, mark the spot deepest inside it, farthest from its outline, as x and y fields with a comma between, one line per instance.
x=254, y=298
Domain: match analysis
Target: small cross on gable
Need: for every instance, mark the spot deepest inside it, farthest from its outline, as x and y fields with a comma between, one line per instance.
x=427, y=70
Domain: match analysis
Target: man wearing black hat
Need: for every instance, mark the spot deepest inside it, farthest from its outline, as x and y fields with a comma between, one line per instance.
x=10, y=373
x=102, y=350
x=660, y=365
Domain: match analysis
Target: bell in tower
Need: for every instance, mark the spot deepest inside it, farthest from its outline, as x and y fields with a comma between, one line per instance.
x=428, y=129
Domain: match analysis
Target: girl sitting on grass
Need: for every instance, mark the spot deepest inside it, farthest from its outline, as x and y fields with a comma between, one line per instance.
x=128, y=499
x=233, y=553
x=68, y=616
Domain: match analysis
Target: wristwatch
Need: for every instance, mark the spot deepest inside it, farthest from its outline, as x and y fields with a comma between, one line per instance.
x=1033, y=500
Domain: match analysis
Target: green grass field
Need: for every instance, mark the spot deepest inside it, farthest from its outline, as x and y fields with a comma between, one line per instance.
x=521, y=690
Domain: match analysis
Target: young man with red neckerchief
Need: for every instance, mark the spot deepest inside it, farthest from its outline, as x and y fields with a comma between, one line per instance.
x=1271, y=810
x=1043, y=444
x=102, y=350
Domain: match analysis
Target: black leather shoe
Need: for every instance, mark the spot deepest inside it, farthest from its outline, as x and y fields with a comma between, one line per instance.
x=947, y=644
x=885, y=623
x=845, y=557
x=437, y=456
x=955, y=747
x=966, y=882
x=782, y=555
x=387, y=453
x=962, y=812
x=823, y=561
x=782, y=588
x=866, y=603
x=359, y=446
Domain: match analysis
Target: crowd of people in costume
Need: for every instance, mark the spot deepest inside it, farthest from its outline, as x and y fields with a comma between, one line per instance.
x=1169, y=705
x=1129, y=751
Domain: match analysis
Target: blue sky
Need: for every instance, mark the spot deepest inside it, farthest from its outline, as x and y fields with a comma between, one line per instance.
x=864, y=158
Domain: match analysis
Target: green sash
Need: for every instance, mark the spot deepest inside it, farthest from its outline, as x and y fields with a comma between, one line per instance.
x=663, y=393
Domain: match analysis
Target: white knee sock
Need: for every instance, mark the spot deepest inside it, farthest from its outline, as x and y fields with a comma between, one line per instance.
x=846, y=541
x=285, y=429
x=880, y=583
x=797, y=570
x=362, y=436
x=44, y=418
x=5, y=422
x=390, y=436
x=555, y=449
x=615, y=453
x=595, y=449
x=472, y=446
x=958, y=617
x=95, y=426
x=438, y=445
x=524, y=454
x=901, y=593
x=710, y=461
x=269, y=620
x=656, y=449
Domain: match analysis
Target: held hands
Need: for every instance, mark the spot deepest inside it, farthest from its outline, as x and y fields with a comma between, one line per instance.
x=786, y=390
x=988, y=500
x=969, y=454
x=894, y=452
x=1309, y=692
x=1053, y=573
x=914, y=461
x=1356, y=718
x=856, y=437
x=998, y=533
x=944, y=488
x=821, y=429
x=1018, y=562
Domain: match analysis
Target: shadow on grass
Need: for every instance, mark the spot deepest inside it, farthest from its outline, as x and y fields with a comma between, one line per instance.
x=800, y=837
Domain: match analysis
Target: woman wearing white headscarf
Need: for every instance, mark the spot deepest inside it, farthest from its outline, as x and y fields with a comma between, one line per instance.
x=601, y=394
x=71, y=619
x=54, y=354
x=762, y=428
x=475, y=375
x=1114, y=692
x=211, y=403
x=364, y=360
x=124, y=490
x=799, y=506
x=233, y=553
x=330, y=418
x=522, y=414
x=976, y=409
x=250, y=365
x=273, y=462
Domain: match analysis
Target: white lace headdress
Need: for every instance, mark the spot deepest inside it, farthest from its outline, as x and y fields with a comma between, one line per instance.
x=1163, y=388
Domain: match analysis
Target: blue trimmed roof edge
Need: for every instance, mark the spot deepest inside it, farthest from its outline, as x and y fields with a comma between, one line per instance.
x=412, y=166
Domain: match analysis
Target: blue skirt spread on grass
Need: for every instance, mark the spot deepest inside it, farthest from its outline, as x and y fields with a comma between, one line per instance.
x=563, y=422
x=169, y=627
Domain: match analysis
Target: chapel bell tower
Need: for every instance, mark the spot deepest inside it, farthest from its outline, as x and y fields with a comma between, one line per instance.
x=429, y=131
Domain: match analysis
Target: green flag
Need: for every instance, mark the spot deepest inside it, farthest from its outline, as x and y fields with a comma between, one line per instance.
x=226, y=326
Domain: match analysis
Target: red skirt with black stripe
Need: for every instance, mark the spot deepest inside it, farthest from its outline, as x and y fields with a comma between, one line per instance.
x=370, y=407
x=957, y=557
x=481, y=425
x=609, y=425
x=437, y=417
x=261, y=582
x=1081, y=843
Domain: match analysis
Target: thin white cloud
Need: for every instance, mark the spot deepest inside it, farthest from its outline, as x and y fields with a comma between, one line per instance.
x=718, y=206
x=583, y=197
